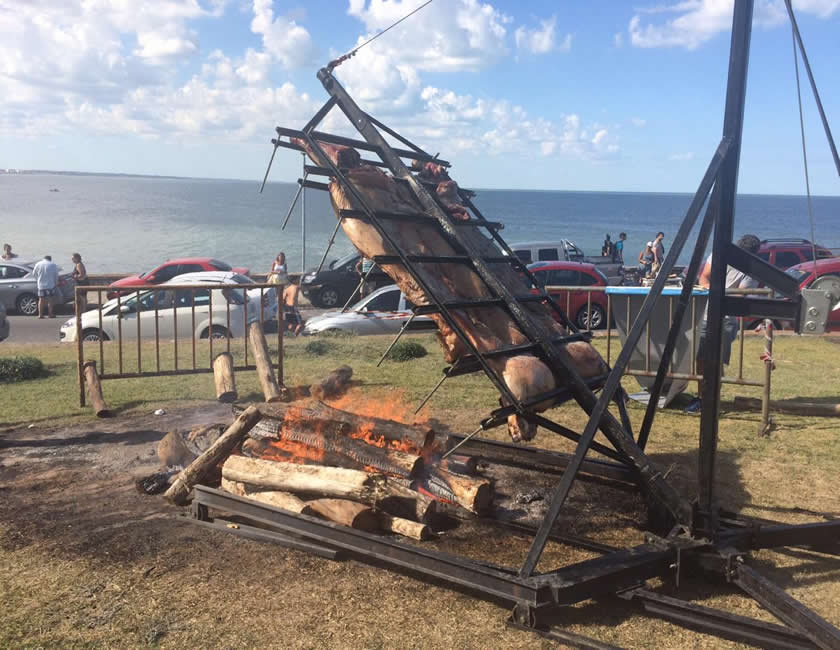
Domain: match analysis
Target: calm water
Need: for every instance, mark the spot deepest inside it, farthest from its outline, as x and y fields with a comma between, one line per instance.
x=131, y=224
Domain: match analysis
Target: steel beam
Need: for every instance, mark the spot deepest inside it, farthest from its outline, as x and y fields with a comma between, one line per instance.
x=733, y=125
x=787, y=608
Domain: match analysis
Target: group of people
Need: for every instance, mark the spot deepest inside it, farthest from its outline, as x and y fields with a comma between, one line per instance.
x=279, y=275
x=614, y=250
x=46, y=278
x=652, y=256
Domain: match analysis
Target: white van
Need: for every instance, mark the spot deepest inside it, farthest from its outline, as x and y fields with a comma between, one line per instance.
x=563, y=250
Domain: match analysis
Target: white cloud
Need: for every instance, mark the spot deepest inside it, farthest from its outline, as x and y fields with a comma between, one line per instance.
x=287, y=42
x=698, y=21
x=638, y=122
x=682, y=157
x=541, y=40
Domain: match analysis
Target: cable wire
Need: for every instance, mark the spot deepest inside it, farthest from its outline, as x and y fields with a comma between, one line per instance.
x=804, y=152
x=336, y=62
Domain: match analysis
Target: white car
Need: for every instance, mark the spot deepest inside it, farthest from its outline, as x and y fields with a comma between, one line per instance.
x=178, y=305
x=382, y=312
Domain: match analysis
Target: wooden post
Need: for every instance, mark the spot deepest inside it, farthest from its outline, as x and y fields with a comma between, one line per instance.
x=223, y=375
x=201, y=466
x=262, y=359
x=95, y=391
x=768, y=369
x=80, y=347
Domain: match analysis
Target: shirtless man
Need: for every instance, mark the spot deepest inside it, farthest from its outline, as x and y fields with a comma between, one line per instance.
x=291, y=315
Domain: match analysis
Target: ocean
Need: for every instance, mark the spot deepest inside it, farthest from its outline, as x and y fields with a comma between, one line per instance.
x=130, y=224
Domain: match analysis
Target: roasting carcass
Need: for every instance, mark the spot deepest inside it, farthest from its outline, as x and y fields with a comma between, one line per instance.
x=487, y=328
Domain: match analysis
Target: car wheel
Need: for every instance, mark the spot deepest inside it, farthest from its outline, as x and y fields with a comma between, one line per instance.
x=27, y=304
x=594, y=320
x=92, y=335
x=328, y=297
x=216, y=332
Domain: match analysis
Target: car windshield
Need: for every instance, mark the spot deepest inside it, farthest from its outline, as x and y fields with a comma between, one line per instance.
x=241, y=279
x=341, y=262
x=220, y=266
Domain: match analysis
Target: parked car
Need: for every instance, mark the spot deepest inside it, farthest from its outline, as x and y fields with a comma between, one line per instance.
x=565, y=250
x=785, y=253
x=826, y=277
x=19, y=288
x=169, y=270
x=335, y=283
x=575, y=274
x=4, y=323
x=382, y=312
x=177, y=304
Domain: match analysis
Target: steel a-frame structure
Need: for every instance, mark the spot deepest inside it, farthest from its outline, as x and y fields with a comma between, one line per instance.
x=701, y=534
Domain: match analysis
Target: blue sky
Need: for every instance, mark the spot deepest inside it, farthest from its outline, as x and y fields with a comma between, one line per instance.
x=544, y=95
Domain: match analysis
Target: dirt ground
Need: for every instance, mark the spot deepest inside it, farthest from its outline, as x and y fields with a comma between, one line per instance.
x=86, y=561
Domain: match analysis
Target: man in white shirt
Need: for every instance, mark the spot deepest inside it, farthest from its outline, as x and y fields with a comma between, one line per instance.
x=735, y=279
x=46, y=274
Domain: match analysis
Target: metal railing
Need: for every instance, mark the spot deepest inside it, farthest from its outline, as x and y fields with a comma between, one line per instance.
x=130, y=322
x=601, y=304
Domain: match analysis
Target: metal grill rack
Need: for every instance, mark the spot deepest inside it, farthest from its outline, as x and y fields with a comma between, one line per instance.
x=703, y=536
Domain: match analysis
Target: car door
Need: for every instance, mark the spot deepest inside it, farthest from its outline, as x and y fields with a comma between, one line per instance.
x=381, y=315
x=569, y=300
x=13, y=282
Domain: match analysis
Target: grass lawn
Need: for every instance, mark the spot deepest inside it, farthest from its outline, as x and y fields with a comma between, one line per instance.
x=98, y=595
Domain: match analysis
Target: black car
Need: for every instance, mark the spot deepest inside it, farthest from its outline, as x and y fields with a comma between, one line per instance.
x=337, y=280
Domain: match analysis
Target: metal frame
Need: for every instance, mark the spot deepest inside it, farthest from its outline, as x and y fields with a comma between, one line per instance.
x=702, y=536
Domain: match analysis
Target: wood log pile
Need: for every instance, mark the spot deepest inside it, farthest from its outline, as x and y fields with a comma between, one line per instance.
x=311, y=458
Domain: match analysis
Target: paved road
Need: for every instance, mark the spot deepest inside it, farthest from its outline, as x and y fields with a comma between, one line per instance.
x=31, y=329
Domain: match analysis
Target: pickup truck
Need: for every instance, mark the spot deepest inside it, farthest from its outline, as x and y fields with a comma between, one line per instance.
x=565, y=250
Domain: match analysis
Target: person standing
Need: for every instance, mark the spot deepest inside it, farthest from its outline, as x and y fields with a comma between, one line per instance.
x=735, y=279
x=46, y=275
x=618, y=249
x=658, y=252
x=81, y=277
x=646, y=260
x=607, y=248
x=278, y=273
x=291, y=314
x=7, y=252
x=363, y=267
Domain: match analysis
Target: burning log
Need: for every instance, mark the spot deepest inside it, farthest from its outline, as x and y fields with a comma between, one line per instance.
x=274, y=498
x=404, y=527
x=459, y=464
x=204, y=464
x=347, y=513
x=407, y=503
x=401, y=435
x=223, y=377
x=94, y=388
x=333, y=385
x=474, y=494
x=307, y=479
x=262, y=359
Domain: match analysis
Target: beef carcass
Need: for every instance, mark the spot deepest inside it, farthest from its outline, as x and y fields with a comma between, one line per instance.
x=487, y=328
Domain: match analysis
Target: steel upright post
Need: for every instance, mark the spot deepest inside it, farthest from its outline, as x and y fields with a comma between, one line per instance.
x=733, y=123
x=303, y=222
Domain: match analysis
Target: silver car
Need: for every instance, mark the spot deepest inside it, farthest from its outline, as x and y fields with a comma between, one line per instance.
x=19, y=288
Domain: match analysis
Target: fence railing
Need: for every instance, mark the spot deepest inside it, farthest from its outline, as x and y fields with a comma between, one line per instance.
x=172, y=329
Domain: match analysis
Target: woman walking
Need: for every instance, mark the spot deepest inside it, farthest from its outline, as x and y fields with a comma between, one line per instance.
x=279, y=274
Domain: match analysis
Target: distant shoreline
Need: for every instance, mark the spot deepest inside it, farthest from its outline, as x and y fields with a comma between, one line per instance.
x=51, y=172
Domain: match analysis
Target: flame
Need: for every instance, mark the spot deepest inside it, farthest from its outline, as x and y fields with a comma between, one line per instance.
x=390, y=406
x=291, y=452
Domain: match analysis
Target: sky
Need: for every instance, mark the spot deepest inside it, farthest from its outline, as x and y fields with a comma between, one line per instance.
x=556, y=95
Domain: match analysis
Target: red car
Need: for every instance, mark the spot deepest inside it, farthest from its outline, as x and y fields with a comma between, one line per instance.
x=827, y=278
x=575, y=274
x=169, y=270
x=784, y=253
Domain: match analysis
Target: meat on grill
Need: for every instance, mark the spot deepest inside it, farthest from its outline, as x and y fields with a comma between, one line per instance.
x=486, y=328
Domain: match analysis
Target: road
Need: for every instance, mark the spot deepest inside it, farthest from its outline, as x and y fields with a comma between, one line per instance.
x=31, y=329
